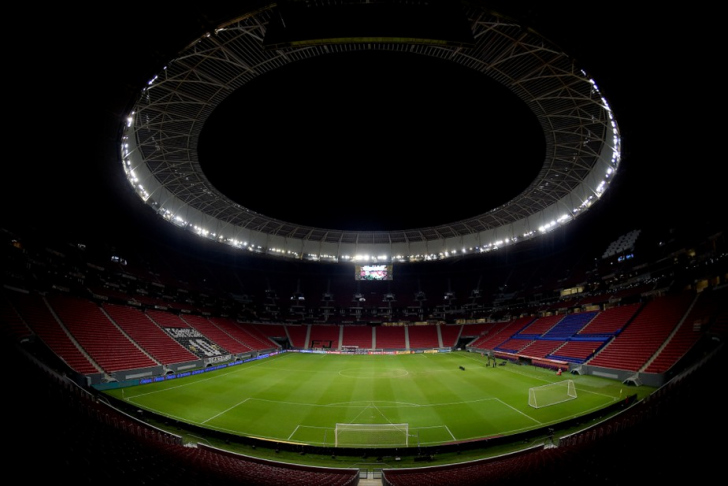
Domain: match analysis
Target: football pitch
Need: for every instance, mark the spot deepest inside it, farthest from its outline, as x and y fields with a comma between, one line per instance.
x=406, y=400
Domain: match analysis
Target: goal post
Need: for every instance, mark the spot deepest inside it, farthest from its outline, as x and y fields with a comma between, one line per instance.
x=551, y=394
x=371, y=435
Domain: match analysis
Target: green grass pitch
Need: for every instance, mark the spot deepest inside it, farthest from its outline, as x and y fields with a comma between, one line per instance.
x=300, y=397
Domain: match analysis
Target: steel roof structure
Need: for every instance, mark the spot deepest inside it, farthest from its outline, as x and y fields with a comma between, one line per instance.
x=159, y=142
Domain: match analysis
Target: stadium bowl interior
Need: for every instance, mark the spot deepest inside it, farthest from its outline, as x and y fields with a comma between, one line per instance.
x=222, y=231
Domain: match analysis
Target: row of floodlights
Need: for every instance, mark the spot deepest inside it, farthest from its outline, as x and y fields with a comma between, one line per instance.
x=203, y=232
x=179, y=221
x=240, y=244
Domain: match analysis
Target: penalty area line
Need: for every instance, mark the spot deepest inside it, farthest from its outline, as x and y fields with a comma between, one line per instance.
x=516, y=410
x=225, y=411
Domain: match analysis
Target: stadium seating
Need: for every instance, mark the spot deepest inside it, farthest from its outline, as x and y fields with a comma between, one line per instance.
x=423, y=337
x=390, y=337
x=690, y=330
x=325, y=336
x=569, y=325
x=540, y=326
x=250, y=334
x=298, y=335
x=610, y=321
x=450, y=334
x=541, y=348
x=36, y=313
x=216, y=334
x=359, y=336
x=575, y=351
x=148, y=335
x=266, y=332
x=78, y=308
x=96, y=333
x=514, y=345
x=500, y=332
x=95, y=443
x=649, y=329
x=167, y=319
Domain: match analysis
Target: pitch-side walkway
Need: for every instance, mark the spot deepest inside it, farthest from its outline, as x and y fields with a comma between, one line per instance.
x=370, y=482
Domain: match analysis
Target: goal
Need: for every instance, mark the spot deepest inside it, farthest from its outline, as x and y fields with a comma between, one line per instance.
x=371, y=435
x=546, y=395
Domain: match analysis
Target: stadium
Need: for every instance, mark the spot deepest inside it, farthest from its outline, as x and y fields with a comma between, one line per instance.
x=185, y=325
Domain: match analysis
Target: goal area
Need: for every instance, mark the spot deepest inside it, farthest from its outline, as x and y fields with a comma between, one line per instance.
x=546, y=395
x=371, y=435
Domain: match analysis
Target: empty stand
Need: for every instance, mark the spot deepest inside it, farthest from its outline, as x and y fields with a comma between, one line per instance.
x=98, y=335
x=636, y=344
x=298, y=335
x=216, y=334
x=500, y=332
x=690, y=330
x=541, y=348
x=540, y=326
x=514, y=345
x=423, y=337
x=167, y=319
x=139, y=327
x=359, y=336
x=576, y=351
x=36, y=313
x=569, y=325
x=253, y=336
x=325, y=336
x=267, y=333
x=450, y=334
x=390, y=337
x=610, y=321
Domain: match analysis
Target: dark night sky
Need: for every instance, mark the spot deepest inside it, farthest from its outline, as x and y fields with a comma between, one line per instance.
x=373, y=141
x=399, y=160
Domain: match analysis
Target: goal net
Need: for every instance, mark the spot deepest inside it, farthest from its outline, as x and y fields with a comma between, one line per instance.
x=371, y=435
x=546, y=395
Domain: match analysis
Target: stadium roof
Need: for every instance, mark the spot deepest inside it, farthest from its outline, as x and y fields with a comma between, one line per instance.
x=81, y=78
x=161, y=141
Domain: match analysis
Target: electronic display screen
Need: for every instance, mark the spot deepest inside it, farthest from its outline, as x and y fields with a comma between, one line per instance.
x=373, y=272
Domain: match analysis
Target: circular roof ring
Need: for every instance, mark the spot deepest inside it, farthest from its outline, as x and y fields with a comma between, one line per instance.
x=160, y=141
